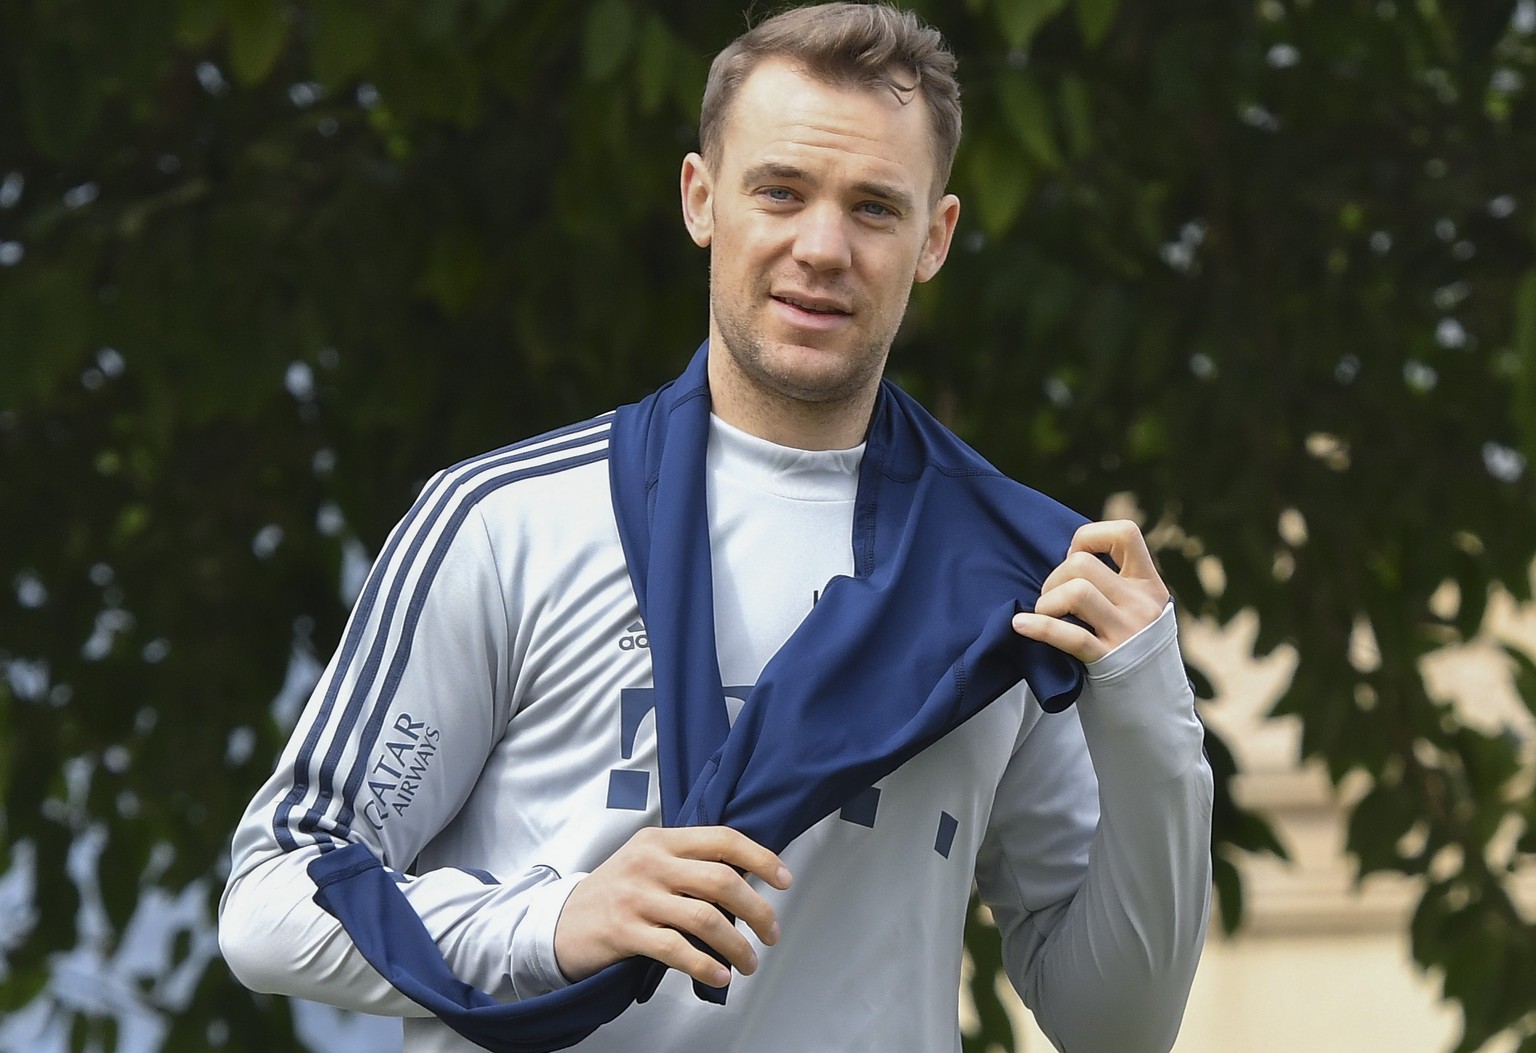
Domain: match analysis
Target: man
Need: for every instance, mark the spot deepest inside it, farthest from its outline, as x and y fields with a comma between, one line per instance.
x=490, y=722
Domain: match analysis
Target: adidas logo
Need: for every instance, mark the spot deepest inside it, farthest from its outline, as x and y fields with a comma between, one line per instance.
x=635, y=638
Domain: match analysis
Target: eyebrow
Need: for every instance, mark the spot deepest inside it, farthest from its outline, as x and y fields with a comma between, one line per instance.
x=789, y=173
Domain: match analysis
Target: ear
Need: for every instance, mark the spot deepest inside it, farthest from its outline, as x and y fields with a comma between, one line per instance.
x=698, y=200
x=941, y=230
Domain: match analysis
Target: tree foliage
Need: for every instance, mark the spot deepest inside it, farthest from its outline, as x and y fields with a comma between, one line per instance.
x=264, y=266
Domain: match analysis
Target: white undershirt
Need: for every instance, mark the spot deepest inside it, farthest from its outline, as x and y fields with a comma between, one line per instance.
x=780, y=520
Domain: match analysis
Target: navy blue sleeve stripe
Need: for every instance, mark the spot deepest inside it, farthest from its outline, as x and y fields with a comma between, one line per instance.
x=359, y=621
x=414, y=608
x=367, y=676
x=417, y=523
x=314, y=822
x=522, y=450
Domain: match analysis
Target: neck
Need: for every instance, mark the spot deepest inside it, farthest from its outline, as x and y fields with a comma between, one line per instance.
x=834, y=424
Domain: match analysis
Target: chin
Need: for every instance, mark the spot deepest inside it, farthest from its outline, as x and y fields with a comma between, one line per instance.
x=804, y=367
x=812, y=374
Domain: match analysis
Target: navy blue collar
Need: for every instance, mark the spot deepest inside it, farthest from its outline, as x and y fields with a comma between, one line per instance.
x=945, y=550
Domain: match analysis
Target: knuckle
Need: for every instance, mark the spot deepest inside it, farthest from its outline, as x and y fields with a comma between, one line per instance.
x=737, y=845
x=720, y=882
x=722, y=845
x=702, y=916
x=671, y=947
x=1081, y=562
x=1049, y=605
x=622, y=898
x=1077, y=590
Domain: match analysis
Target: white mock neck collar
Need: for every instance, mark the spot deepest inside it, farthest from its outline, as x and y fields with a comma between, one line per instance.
x=803, y=475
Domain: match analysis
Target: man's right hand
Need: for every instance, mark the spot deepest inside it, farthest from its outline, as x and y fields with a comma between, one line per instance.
x=662, y=886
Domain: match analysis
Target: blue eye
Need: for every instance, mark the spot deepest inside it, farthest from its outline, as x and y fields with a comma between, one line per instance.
x=876, y=210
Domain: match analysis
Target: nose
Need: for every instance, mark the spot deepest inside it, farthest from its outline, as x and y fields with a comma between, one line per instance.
x=821, y=239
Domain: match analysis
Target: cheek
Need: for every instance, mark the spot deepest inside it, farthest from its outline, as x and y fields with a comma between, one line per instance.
x=895, y=275
x=735, y=249
x=736, y=272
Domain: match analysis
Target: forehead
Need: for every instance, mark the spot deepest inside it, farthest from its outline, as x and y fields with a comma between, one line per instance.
x=782, y=113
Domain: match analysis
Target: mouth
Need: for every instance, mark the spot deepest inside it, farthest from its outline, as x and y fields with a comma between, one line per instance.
x=814, y=305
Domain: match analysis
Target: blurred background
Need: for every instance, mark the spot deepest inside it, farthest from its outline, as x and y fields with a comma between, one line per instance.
x=1261, y=274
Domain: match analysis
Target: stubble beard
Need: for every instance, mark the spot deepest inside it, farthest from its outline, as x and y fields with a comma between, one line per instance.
x=754, y=359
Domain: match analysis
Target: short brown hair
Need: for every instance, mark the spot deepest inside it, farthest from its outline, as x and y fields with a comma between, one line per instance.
x=864, y=45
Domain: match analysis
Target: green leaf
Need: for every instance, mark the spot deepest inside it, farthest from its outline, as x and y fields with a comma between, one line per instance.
x=1000, y=182
x=1525, y=676
x=605, y=43
x=22, y=986
x=1182, y=580
x=1430, y=921
x=1480, y=953
x=456, y=268
x=345, y=38
x=1094, y=17
x=1147, y=437
x=438, y=21
x=197, y=21
x=1473, y=584
x=654, y=63
x=46, y=319
x=257, y=32
x=1076, y=115
x=1229, y=892
x=985, y=945
x=1029, y=115
x=1378, y=822
x=1490, y=761
x=1105, y=325
x=1199, y=681
x=1021, y=19
x=1523, y=402
x=132, y=521
x=425, y=80
x=7, y=764
x=60, y=101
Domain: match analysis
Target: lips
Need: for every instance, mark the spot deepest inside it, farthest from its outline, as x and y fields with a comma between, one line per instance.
x=813, y=304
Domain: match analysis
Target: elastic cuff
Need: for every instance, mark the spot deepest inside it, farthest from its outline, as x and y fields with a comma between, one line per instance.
x=531, y=960
x=1139, y=716
x=1138, y=649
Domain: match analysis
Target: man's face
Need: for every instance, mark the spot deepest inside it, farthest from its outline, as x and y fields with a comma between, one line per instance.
x=819, y=217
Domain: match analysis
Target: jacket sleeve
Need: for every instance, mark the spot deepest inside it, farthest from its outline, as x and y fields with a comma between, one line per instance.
x=1101, y=892
x=386, y=751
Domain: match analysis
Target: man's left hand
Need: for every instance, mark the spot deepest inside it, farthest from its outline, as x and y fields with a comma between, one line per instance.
x=1112, y=606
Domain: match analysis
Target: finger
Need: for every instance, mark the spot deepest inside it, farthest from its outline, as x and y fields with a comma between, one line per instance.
x=1088, y=566
x=721, y=844
x=1115, y=618
x=1062, y=635
x=1083, y=601
x=706, y=922
x=722, y=886
x=671, y=948
x=1121, y=540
